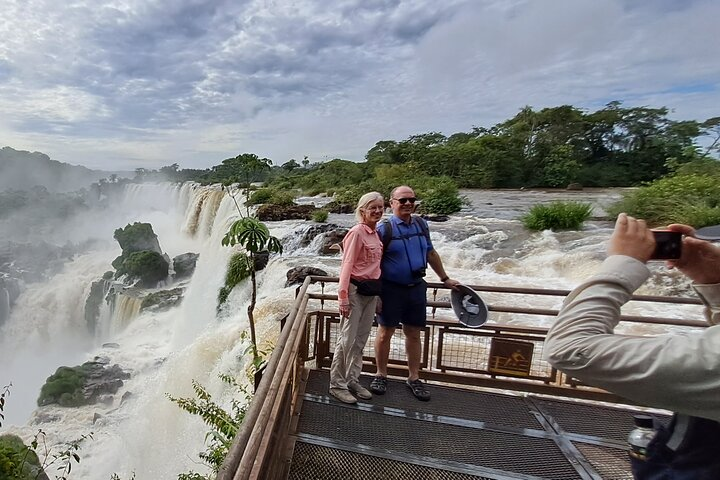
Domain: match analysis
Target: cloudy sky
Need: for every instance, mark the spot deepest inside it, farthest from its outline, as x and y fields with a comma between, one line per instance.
x=121, y=84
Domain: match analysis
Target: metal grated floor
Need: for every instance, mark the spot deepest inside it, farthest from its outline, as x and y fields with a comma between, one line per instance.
x=459, y=434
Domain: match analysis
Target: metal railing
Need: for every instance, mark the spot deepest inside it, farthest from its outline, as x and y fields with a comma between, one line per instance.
x=481, y=357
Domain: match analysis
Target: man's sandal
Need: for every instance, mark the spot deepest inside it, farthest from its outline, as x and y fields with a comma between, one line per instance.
x=379, y=385
x=419, y=389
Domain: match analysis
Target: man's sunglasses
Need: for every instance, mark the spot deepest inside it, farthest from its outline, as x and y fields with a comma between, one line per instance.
x=403, y=201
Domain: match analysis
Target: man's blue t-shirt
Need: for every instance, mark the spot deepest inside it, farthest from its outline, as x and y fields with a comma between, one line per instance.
x=406, y=252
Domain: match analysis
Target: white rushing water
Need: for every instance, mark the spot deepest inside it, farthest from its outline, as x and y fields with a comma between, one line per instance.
x=141, y=431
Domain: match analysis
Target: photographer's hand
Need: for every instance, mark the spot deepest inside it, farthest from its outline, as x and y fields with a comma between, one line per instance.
x=632, y=238
x=700, y=260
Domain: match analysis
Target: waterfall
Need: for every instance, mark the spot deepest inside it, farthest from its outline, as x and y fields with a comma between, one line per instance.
x=4, y=305
x=165, y=350
x=125, y=308
x=202, y=209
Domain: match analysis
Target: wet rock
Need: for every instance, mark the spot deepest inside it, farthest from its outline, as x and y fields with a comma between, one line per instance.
x=184, y=265
x=101, y=380
x=260, y=260
x=331, y=239
x=436, y=218
x=332, y=234
x=39, y=417
x=285, y=212
x=162, y=300
x=298, y=274
x=574, y=186
x=98, y=289
x=335, y=207
x=125, y=397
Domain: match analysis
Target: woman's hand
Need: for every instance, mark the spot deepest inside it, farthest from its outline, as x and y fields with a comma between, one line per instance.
x=344, y=310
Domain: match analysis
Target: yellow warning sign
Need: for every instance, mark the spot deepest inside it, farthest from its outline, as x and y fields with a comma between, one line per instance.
x=510, y=357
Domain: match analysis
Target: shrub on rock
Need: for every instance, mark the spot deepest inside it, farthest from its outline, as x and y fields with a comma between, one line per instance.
x=147, y=266
x=137, y=237
x=18, y=461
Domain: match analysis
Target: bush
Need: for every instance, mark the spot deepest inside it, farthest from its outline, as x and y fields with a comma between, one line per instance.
x=282, y=197
x=64, y=387
x=17, y=460
x=320, y=216
x=557, y=216
x=150, y=267
x=440, y=198
x=690, y=199
x=136, y=237
x=348, y=195
x=238, y=270
x=262, y=195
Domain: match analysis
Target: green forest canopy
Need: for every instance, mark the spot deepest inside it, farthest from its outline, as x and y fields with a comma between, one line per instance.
x=552, y=147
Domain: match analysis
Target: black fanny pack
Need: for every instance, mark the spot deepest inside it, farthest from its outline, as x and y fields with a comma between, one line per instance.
x=368, y=288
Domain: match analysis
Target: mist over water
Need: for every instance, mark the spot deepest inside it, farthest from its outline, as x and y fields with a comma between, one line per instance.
x=141, y=431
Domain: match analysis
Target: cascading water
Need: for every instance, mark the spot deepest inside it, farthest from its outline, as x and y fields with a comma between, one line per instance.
x=141, y=431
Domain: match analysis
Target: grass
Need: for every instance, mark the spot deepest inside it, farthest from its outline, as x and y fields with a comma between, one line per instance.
x=557, y=216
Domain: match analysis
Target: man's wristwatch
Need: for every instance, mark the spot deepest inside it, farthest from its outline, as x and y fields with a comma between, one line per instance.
x=445, y=279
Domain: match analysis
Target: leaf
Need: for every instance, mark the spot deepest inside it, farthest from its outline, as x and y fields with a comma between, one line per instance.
x=274, y=245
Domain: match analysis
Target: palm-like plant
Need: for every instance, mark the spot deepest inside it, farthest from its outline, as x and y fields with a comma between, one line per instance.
x=254, y=237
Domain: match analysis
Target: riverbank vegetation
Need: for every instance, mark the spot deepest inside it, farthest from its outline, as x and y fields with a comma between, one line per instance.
x=690, y=195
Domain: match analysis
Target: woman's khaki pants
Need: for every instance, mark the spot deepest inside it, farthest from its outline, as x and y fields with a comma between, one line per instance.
x=352, y=337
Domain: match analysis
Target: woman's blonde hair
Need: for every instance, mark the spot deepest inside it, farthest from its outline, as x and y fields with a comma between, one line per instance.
x=364, y=201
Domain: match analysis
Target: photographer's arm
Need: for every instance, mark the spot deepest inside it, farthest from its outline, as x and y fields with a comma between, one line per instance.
x=676, y=372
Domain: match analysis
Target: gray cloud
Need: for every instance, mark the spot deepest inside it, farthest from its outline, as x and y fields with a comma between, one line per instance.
x=125, y=84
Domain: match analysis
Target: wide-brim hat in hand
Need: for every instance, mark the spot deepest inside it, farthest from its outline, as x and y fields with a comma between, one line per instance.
x=468, y=306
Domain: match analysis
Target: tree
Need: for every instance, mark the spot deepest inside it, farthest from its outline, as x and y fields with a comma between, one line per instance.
x=170, y=171
x=254, y=236
x=711, y=127
x=140, y=174
x=291, y=165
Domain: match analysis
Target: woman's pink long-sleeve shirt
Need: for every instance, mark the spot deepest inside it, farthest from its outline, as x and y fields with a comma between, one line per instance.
x=362, y=252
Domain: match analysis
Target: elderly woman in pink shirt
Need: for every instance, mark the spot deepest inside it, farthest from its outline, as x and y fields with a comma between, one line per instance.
x=357, y=294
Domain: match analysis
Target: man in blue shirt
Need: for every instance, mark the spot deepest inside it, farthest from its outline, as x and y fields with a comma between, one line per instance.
x=404, y=299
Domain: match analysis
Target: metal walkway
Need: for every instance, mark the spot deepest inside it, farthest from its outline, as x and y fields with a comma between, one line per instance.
x=459, y=434
x=294, y=429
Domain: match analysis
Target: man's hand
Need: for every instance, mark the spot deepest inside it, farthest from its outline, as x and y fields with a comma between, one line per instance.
x=452, y=283
x=700, y=260
x=632, y=238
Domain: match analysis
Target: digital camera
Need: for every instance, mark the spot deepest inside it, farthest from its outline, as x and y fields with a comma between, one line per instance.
x=668, y=245
x=419, y=273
